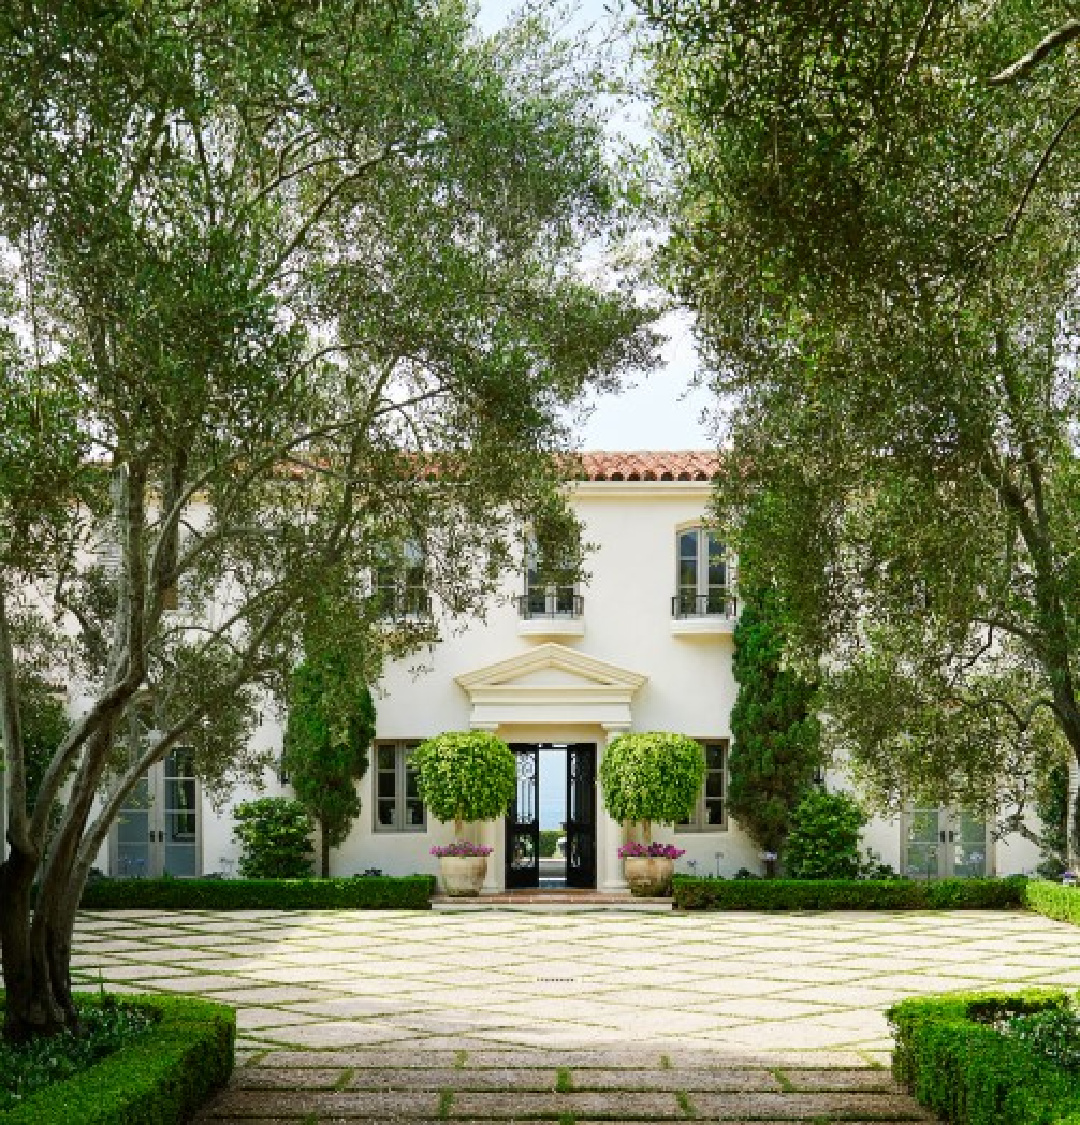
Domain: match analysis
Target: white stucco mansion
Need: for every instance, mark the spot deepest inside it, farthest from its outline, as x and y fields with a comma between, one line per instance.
x=645, y=645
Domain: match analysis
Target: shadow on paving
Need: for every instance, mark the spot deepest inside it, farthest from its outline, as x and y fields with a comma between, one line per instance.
x=568, y=1086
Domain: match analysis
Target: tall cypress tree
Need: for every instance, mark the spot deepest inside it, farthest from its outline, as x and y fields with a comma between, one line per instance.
x=776, y=735
x=329, y=732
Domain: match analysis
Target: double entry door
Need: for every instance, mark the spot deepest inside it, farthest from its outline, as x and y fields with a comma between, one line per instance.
x=523, y=820
x=158, y=830
x=942, y=842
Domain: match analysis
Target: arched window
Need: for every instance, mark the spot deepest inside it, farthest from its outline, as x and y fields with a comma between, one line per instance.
x=701, y=573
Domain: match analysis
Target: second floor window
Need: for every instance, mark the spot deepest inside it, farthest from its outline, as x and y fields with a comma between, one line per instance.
x=401, y=584
x=550, y=590
x=701, y=582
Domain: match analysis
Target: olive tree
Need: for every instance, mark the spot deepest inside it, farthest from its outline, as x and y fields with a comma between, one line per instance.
x=875, y=215
x=282, y=288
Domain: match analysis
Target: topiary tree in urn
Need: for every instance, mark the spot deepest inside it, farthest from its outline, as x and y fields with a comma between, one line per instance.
x=465, y=775
x=651, y=777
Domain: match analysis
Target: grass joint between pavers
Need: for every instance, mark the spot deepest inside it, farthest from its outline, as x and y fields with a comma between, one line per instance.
x=564, y=1084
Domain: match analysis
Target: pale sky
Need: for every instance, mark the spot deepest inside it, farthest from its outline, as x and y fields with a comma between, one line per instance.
x=661, y=411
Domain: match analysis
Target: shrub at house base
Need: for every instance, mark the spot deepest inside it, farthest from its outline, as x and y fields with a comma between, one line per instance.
x=465, y=776
x=824, y=838
x=275, y=834
x=651, y=777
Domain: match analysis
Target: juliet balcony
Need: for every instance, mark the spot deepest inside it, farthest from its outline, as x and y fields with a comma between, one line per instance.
x=551, y=611
x=703, y=615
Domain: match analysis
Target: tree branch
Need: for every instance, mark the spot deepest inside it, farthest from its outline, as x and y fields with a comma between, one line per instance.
x=1026, y=63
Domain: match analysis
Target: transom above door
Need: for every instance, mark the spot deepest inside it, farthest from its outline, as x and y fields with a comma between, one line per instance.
x=945, y=842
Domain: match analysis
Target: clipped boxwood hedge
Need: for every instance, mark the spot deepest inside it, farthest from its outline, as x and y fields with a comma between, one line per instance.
x=697, y=893
x=161, y=1079
x=1053, y=900
x=970, y=1074
x=372, y=892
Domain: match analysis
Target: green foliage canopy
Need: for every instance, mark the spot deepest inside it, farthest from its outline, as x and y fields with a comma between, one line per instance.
x=651, y=776
x=465, y=775
x=882, y=248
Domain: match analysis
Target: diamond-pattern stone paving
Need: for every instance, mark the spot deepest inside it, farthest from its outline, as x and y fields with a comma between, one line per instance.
x=502, y=1016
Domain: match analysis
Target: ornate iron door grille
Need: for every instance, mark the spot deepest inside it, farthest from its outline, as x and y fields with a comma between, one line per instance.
x=523, y=823
x=581, y=815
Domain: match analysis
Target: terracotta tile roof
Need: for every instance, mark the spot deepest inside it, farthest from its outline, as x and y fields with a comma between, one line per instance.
x=648, y=465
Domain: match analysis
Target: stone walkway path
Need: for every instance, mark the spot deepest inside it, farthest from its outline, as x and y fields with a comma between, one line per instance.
x=571, y=1017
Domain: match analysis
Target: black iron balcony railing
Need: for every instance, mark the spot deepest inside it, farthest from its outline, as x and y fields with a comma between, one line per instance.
x=716, y=603
x=554, y=601
x=404, y=605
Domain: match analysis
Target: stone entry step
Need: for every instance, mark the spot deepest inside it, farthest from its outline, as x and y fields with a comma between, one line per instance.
x=555, y=900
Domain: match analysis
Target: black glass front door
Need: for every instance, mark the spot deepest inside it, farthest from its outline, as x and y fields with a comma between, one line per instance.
x=523, y=821
x=581, y=815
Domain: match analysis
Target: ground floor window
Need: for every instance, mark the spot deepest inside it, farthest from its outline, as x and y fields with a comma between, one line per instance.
x=398, y=807
x=709, y=814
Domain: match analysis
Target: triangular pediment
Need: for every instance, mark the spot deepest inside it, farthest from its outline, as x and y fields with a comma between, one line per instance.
x=551, y=666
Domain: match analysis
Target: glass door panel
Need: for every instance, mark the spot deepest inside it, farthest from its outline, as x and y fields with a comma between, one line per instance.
x=969, y=846
x=180, y=842
x=923, y=852
x=581, y=815
x=133, y=833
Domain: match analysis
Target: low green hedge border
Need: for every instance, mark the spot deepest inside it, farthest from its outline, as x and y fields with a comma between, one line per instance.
x=697, y=893
x=970, y=1074
x=162, y=1079
x=1053, y=900
x=372, y=892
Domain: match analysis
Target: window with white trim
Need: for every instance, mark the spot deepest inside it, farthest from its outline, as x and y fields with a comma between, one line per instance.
x=710, y=815
x=701, y=573
x=398, y=807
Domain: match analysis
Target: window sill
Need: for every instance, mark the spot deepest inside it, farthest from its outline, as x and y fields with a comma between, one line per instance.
x=712, y=625
x=551, y=626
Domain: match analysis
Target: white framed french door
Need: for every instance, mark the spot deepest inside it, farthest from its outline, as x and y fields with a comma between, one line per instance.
x=159, y=830
x=943, y=842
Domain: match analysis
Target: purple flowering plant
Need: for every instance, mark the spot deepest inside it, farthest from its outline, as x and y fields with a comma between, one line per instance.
x=650, y=851
x=462, y=849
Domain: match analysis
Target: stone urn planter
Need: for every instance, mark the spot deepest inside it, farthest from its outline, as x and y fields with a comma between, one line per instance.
x=649, y=876
x=461, y=874
x=462, y=867
x=648, y=868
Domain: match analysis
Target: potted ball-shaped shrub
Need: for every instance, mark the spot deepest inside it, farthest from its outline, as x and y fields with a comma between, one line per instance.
x=465, y=775
x=651, y=777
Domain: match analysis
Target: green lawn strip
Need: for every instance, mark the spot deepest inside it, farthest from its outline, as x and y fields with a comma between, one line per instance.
x=160, y=1079
x=344, y=1078
x=685, y=1104
x=563, y=1082
x=783, y=1081
x=446, y=1103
